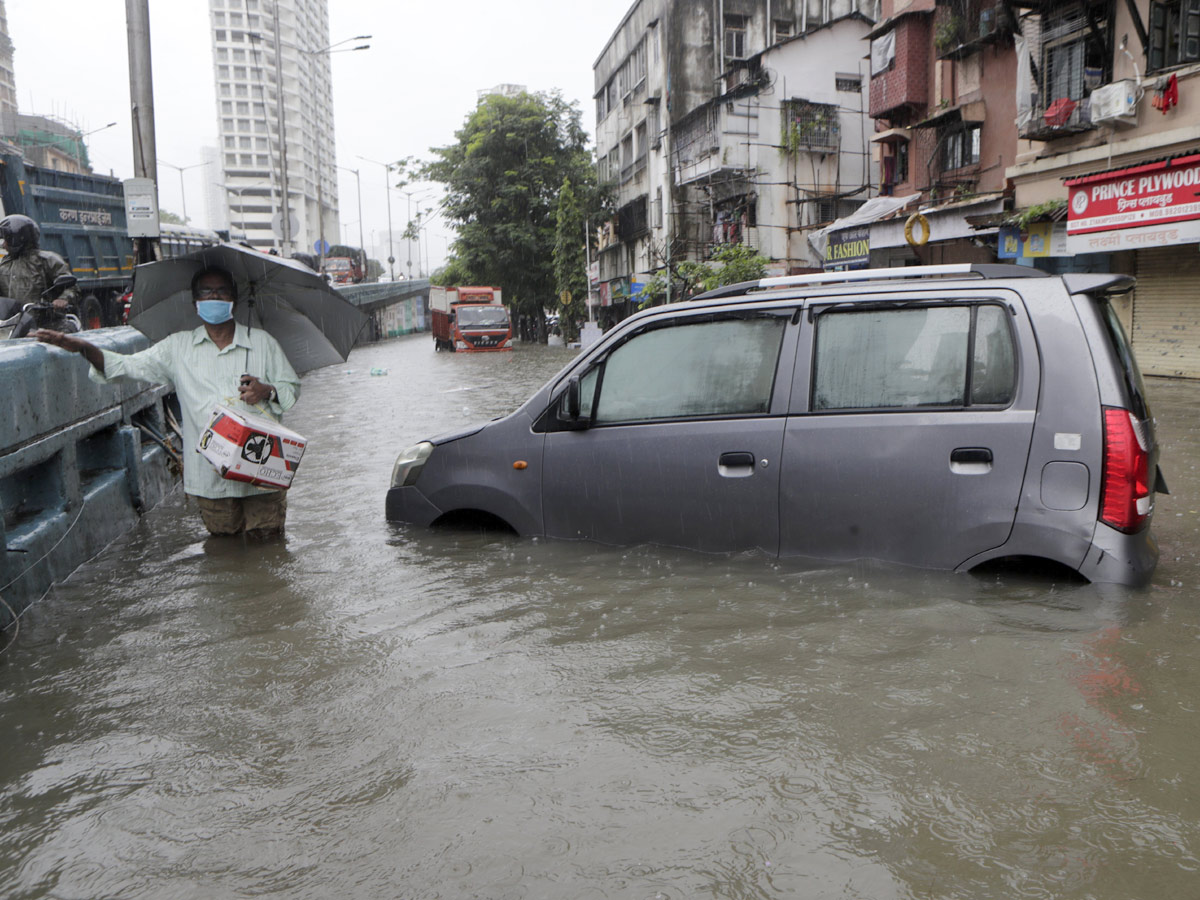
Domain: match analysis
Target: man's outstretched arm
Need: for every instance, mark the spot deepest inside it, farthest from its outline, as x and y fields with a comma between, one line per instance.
x=72, y=344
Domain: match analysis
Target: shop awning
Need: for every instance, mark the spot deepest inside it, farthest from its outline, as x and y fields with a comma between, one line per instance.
x=873, y=210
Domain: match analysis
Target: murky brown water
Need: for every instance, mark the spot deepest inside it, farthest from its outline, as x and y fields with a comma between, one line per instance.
x=373, y=712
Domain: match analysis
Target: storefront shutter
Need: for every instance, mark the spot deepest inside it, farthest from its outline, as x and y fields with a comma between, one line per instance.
x=1166, y=311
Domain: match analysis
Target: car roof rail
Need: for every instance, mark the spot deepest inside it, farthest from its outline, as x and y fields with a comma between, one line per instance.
x=898, y=273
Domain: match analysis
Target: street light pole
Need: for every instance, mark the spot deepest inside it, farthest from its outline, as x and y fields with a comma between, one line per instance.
x=362, y=250
x=182, y=191
x=285, y=216
x=387, y=186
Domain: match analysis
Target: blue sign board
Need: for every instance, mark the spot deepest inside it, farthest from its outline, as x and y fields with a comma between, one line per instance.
x=321, y=247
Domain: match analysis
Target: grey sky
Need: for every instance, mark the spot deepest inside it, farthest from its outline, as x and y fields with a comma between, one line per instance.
x=409, y=92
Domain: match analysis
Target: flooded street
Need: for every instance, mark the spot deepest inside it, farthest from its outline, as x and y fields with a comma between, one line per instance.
x=371, y=711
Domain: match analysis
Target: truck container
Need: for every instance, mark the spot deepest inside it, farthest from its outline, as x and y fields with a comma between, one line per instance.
x=469, y=319
x=82, y=219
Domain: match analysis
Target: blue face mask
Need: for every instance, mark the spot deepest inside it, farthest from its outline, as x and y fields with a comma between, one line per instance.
x=214, y=312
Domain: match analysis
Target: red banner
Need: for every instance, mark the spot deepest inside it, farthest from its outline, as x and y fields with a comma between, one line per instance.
x=1153, y=194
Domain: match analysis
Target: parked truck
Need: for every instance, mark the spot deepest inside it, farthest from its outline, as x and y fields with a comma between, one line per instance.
x=82, y=219
x=469, y=318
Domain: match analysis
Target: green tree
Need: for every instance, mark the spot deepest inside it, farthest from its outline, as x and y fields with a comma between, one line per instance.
x=737, y=263
x=502, y=178
x=570, y=262
x=166, y=217
x=452, y=274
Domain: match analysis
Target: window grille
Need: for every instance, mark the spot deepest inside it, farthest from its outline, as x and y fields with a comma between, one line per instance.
x=811, y=126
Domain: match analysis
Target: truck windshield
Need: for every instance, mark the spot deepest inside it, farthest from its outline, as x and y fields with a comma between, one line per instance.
x=490, y=316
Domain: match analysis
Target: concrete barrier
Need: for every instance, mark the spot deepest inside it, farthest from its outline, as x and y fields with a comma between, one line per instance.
x=78, y=464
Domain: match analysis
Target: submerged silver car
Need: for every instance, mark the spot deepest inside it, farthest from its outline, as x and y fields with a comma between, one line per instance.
x=937, y=416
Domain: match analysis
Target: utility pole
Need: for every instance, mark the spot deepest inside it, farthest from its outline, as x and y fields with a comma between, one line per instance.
x=285, y=214
x=141, y=98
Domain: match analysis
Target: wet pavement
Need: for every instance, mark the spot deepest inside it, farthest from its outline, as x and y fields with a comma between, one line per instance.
x=373, y=711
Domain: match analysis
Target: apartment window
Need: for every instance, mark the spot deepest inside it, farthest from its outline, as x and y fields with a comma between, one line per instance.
x=656, y=214
x=639, y=136
x=961, y=148
x=735, y=37
x=626, y=155
x=848, y=84
x=227, y=109
x=231, y=159
x=244, y=143
x=601, y=105
x=783, y=29
x=243, y=108
x=230, y=143
x=1174, y=33
x=1073, y=59
x=226, y=124
x=637, y=65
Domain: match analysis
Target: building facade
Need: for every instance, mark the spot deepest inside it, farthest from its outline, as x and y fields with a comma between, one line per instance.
x=267, y=144
x=727, y=122
x=1111, y=143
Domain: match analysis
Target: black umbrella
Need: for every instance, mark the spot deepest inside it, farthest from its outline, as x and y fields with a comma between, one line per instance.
x=314, y=325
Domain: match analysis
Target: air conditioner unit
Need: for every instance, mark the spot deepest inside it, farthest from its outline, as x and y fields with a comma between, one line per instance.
x=1116, y=102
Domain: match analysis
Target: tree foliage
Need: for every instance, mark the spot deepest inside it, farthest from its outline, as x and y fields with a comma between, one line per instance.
x=502, y=178
x=737, y=262
x=570, y=261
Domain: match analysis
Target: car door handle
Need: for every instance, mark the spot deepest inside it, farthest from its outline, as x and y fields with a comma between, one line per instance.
x=737, y=459
x=971, y=455
x=735, y=465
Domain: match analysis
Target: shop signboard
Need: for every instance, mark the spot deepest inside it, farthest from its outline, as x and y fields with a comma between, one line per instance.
x=1154, y=194
x=1034, y=241
x=848, y=248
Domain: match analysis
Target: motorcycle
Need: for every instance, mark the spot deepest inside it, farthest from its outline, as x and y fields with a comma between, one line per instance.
x=24, y=319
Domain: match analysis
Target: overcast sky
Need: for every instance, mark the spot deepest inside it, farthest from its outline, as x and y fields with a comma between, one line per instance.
x=411, y=91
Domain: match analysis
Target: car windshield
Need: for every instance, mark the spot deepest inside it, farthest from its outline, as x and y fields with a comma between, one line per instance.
x=490, y=316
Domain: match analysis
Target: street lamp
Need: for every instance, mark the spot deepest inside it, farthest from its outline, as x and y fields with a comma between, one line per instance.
x=182, y=192
x=362, y=252
x=422, y=196
x=281, y=127
x=326, y=51
x=387, y=184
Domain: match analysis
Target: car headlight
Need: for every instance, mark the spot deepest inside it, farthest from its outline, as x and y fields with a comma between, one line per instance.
x=409, y=464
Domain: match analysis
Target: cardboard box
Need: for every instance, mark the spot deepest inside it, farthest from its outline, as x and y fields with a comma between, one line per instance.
x=250, y=448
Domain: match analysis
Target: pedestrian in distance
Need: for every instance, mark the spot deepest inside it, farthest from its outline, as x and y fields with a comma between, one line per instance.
x=205, y=366
x=27, y=271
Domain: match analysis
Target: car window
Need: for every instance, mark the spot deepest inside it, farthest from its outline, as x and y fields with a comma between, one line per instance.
x=913, y=357
x=993, y=367
x=696, y=368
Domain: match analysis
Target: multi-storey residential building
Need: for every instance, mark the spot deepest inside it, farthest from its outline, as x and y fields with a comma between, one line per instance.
x=728, y=121
x=941, y=76
x=8, y=81
x=1109, y=114
x=265, y=143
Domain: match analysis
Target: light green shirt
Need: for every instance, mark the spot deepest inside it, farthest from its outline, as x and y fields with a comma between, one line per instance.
x=203, y=376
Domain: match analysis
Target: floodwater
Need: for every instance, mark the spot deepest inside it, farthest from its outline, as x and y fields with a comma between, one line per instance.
x=369, y=711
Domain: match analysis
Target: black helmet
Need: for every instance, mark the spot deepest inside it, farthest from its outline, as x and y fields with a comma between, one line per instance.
x=19, y=232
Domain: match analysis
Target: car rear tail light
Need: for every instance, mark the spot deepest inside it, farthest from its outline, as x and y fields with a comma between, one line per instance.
x=1125, y=497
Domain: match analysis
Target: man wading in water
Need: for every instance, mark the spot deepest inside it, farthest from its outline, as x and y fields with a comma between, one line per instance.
x=204, y=366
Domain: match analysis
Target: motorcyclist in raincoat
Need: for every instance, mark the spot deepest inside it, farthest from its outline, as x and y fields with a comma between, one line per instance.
x=27, y=271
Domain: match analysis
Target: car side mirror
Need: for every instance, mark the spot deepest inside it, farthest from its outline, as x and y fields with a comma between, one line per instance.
x=568, y=408
x=573, y=397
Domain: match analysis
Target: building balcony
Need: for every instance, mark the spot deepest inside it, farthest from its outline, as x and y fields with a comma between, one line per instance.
x=1061, y=117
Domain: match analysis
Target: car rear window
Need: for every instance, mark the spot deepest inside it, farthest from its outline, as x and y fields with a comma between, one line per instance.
x=914, y=357
x=1120, y=344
